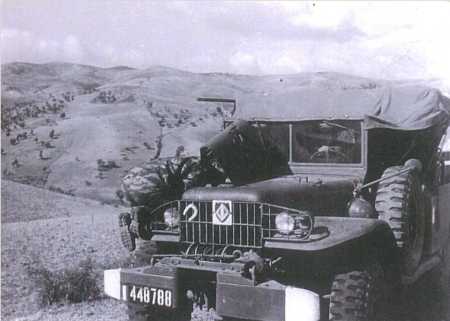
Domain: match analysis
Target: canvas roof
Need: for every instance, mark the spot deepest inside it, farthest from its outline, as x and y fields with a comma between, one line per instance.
x=398, y=107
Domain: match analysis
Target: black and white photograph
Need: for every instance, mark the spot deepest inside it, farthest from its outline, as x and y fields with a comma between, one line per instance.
x=225, y=160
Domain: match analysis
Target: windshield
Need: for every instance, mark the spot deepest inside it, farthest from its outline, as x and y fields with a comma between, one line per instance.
x=318, y=141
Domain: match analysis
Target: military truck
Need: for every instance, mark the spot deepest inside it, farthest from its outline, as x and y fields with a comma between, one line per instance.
x=313, y=204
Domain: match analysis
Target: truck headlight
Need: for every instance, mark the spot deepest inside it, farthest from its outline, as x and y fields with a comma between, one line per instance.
x=298, y=225
x=284, y=223
x=171, y=217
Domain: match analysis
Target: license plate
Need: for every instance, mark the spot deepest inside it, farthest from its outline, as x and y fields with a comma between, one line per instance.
x=149, y=295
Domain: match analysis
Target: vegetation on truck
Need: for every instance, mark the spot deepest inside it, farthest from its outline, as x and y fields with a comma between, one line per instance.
x=318, y=205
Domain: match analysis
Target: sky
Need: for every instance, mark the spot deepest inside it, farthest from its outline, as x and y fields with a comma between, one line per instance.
x=392, y=40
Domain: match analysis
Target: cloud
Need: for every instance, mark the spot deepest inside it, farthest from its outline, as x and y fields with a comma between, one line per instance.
x=242, y=62
x=24, y=45
x=271, y=22
x=387, y=40
x=16, y=42
x=72, y=49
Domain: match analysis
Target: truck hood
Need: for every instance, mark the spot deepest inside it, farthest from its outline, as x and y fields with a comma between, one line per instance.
x=322, y=196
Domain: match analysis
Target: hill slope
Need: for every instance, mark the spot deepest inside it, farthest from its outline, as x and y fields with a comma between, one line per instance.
x=57, y=231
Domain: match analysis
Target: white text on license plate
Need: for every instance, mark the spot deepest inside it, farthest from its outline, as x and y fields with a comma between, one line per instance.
x=154, y=296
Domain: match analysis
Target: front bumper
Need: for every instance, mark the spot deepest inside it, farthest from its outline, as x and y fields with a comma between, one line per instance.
x=235, y=296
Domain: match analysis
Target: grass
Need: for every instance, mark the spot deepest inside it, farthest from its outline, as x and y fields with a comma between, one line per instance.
x=70, y=285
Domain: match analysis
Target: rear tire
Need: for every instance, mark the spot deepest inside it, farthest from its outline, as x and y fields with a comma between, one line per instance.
x=358, y=296
x=399, y=203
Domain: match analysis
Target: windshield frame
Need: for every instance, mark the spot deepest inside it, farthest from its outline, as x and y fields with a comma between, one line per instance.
x=291, y=163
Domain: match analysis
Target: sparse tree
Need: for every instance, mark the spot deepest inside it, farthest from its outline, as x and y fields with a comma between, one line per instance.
x=159, y=146
x=15, y=163
x=179, y=152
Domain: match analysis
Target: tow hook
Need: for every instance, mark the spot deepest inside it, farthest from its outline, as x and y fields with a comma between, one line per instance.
x=254, y=265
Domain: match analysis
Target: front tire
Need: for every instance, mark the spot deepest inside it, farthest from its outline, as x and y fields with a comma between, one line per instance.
x=357, y=296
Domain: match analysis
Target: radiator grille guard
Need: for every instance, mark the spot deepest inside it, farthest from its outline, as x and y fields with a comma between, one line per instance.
x=226, y=223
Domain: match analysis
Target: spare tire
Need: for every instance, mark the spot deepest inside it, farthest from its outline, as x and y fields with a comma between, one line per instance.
x=399, y=203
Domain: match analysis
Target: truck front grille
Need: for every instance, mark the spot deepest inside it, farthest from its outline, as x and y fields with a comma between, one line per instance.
x=241, y=224
x=245, y=229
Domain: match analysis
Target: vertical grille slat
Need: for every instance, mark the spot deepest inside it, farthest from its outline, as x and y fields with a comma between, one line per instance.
x=207, y=227
x=200, y=221
x=248, y=227
x=254, y=222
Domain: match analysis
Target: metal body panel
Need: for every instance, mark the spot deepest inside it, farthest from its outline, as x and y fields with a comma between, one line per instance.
x=236, y=296
x=265, y=302
x=323, y=196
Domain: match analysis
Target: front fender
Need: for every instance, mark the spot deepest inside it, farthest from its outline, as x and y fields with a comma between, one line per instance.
x=348, y=242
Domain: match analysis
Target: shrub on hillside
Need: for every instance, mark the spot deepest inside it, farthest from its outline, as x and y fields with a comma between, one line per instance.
x=104, y=166
x=87, y=88
x=105, y=97
x=62, y=191
x=70, y=285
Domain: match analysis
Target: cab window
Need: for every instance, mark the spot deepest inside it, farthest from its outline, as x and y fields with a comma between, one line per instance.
x=326, y=142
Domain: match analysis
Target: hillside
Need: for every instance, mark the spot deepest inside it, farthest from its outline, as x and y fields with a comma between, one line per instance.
x=40, y=227
x=56, y=129
x=61, y=121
